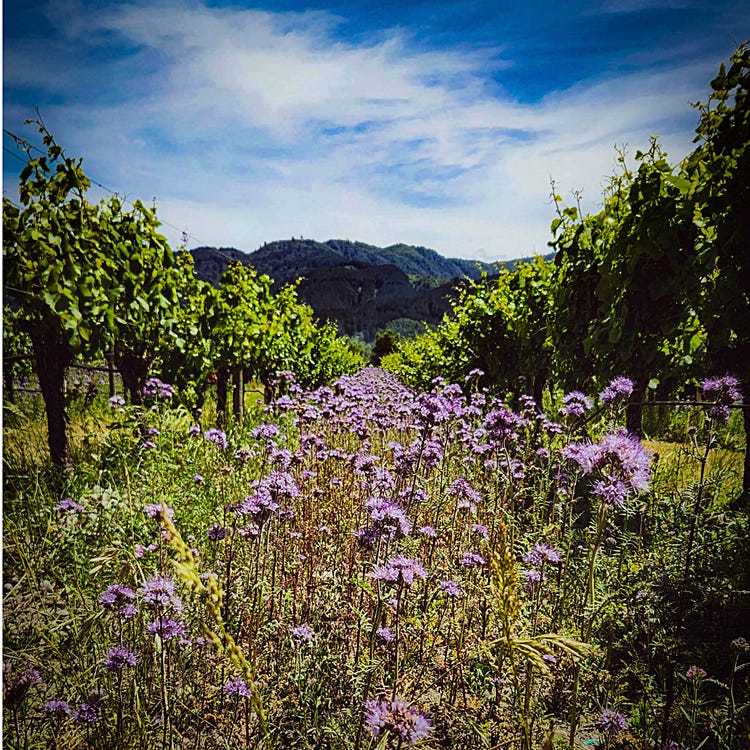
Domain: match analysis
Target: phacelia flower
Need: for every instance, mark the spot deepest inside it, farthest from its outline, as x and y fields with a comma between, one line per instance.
x=58, y=707
x=236, y=686
x=216, y=533
x=618, y=461
x=451, y=589
x=695, y=673
x=88, y=712
x=399, y=569
x=302, y=634
x=575, y=404
x=118, y=658
x=118, y=598
x=166, y=628
x=115, y=401
x=541, y=553
x=619, y=389
x=159, y=593
x=217, y=437
x=611, y=722
x=473, y=560
x=724, y=391
x=397, y=718
x=157, y=511
x=67, y=505
x=384, y=635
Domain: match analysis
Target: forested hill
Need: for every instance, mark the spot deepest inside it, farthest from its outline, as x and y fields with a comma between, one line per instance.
x=286, y=260
x=361, y=287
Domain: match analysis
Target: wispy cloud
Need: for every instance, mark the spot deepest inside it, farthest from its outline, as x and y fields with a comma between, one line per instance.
x=249, y=125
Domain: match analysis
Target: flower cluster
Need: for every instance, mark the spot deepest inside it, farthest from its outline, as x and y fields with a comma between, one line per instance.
x=398, y=718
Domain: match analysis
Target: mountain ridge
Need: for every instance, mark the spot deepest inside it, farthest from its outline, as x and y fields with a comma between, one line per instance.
x=362, y=288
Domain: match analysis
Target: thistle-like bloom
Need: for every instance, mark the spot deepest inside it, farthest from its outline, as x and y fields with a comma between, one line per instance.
x=618, y=461
x=724, y=391
x=118, y=598
x=611, y=722
x=115, y=401
x=473, y=560
x=451, y=589
x=541, y=553
x=68, y=504
x=399, y=569
x=118, y=658
x=58, y=707
x=398, y=718
x=302, y=634
x=236, y=686
x=88, y=712
x=619, y=389
x=159, y=593
x=217, y=437
x=166, y=628
x=575, y=404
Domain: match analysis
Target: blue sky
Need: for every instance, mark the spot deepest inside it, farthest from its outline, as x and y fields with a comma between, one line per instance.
x=430, y=123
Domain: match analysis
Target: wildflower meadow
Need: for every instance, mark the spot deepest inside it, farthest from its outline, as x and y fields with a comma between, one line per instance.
x=363, y=565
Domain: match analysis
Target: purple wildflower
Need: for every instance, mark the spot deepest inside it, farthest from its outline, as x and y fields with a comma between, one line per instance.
x=473, y=560
x=724, y=391
x=159, y=593
x=427, y=531
x=236, y=686
x=217, y=437
x=575, y=404
x=57, y=707
x=119, y=598
x=403, y=570
x=115, y=401
x=88, y=712
x=619, y=389
x=148, y=444
x=695, y=673
x=216, y=533
x=198, y=479
x=541, y=553
x=166, y=628
x=481, y=530
x=302, y=634
x=531, y=579
x=390, y=519
x=119, y=657
x=68, y=504
x=611, y=722
x=141, y=551
x=194, y=430
x=619, y=461
x=384, y=635
x=502, y=425
x=451, y=589
x=157, y=511
x=398, y=718
x=156, y=387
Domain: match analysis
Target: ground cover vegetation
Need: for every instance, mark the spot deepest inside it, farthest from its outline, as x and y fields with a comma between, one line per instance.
x=480, y=551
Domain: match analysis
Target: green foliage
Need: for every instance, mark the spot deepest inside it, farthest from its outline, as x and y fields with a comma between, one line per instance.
x=499, y=326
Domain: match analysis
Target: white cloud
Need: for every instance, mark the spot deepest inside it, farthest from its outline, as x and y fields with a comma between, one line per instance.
x=249, y=126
